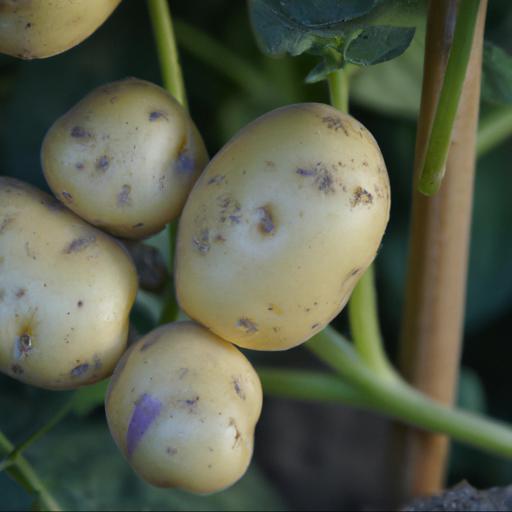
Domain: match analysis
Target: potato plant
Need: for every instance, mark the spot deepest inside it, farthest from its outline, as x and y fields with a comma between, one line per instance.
x=264, y=245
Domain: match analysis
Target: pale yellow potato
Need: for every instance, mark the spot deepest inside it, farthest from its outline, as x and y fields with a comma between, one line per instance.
x=124, y=158
x=281, y=225
x=66, y=290
x=182, y=407
x=34, y=29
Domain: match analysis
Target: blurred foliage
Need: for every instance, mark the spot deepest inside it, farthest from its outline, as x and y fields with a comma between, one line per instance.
x=230, y=83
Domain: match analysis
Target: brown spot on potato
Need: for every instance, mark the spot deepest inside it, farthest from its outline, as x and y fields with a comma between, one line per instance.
x=79, y=166
x=29, y=252
x=80, y=303
x=2, y=294
x=247, y=325
x=270, y=163
x=361, y=196
x=138, y=225
x=334, y=123
x=323, y=178
x=216, y=180
x=202, y=242
x=158, y=114
x=79, y=133
x=355, y=271
x=219, y=238
x=238, y=388
x=102, y=163
x=171, y=451
x=79, y=244
x=182, y=372
x=23, y=345
x=190, y=403
x=123, y=198
x=266, y=224
x=20, y=292
x=79, y=370
x=5, y=223
x=67, y=196
x=238, y=435
x=315, y=326
x=16, y=369
x=151, y=340
x=306, y=172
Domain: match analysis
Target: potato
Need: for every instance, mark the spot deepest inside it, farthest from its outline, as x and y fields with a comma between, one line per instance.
x=34, y=29
x=281, y=225
x=124, y=158
x=66, y=290
x=182, y=406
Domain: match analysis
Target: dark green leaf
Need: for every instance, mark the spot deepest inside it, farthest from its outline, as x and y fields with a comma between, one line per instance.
x=295, y=26
x=363, y=32
x=497, y=75
x=378, y=44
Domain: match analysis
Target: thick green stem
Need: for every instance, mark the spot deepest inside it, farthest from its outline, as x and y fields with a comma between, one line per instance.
x=23, y=473
x=493, y=129
x=167, y=52
x=396, y=398
x=364, y=325
x=307, y=385
x=338, y=89
x=440, y=137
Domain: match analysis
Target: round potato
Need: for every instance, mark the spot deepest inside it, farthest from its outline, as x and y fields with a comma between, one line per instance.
x=124, y=158
x=66, y=290
x=182, y=407
x=34, y=29
x=281, y=225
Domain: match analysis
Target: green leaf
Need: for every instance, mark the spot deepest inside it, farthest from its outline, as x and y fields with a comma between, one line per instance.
x=400, y=78
x=365, y=32
x=497, y=75
x=85, y=471
x=378, y=44
x=295, y=26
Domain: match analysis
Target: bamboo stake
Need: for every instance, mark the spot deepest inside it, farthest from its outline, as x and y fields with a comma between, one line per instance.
x=436, y=284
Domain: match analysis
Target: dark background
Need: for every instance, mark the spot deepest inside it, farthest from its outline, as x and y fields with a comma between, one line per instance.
x=308, y=456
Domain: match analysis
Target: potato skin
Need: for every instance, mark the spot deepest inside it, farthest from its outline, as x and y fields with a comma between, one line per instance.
x=124, y=158
x=281, y=225
x=66, y=290
x=35, y=29
x=182, y=407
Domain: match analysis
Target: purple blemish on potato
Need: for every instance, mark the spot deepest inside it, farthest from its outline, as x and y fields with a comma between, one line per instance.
x=78, y=132
x=185, y=163
x=157, y=114
x=147, y=409
x=79, y=370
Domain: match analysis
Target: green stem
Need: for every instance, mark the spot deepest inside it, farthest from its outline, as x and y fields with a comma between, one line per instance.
x=338, y=89
x=172, y=77
x=23, y=473
x=173, y=81
x=18, y=450
x=494, y=128
x=364, y=325
x=440, y=137
x=308, y=385
x=363, y=314
x=397, y=399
